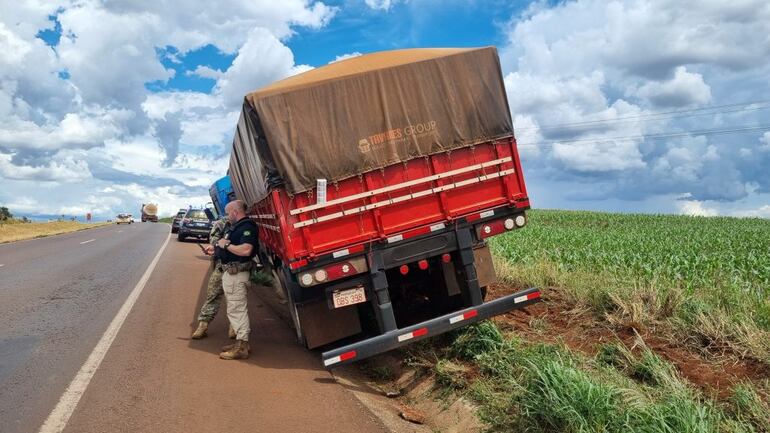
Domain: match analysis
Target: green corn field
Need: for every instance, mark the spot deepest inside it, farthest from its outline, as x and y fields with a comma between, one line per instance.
x=710, y=272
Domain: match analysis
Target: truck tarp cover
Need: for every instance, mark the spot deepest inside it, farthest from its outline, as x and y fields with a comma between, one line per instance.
x=365, y=113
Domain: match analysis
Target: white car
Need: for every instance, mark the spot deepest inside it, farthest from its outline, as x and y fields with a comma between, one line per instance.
x=124, y=218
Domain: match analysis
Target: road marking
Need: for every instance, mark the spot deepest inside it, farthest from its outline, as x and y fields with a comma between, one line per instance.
x=85, y=242
x=60, y=415
x=120, y=231
x=2, y=265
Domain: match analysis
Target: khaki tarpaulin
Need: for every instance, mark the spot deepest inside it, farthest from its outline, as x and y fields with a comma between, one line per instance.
x=365, y=113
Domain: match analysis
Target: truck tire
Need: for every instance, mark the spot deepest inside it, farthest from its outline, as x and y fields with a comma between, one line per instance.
x=180, y=237
x=279, y=278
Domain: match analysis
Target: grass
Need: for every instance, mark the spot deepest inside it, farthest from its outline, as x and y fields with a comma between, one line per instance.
x=708, y=277
x=533, y=387
x=22, y=231
x=698, y=282
x=167, y=220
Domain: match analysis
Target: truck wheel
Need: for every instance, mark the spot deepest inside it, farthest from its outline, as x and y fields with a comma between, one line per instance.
x=181, y=237
x=278, y=277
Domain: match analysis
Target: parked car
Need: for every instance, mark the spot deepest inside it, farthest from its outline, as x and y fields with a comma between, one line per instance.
x=177, y=220
x=195, y=223
x=124, y=218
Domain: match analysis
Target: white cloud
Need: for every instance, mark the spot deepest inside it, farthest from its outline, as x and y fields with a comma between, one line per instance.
x=67, y=169
x=590, y=76
x=345, y=56
x=380, y=4
x=260, y=61
x=761, y=212
x=683, y=89
x=81, y=114
x=206, y=72
x=696, y=208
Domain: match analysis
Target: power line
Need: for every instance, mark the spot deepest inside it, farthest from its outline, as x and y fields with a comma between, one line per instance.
x=745, y=129
x=663, y=115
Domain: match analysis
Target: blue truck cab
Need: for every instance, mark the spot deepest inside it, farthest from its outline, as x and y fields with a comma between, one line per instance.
x=221, y=193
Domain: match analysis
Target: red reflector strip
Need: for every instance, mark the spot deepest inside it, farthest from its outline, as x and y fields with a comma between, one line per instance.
x=465, y=316
x=344, y=357
x=533, y=295
x=416, y=333
x=298, y=264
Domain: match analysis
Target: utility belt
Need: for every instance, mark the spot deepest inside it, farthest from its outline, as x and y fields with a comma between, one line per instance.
x=233, y=268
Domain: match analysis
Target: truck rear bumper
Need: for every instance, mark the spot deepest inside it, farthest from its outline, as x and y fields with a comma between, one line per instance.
x=400, y=337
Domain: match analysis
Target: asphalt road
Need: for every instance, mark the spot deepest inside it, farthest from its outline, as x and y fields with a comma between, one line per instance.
x=57, y=295
x=60, y=294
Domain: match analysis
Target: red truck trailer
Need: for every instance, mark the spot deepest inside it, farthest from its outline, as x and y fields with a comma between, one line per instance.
x=375, y=183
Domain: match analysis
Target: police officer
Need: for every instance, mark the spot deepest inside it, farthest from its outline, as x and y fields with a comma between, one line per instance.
x=214, y=292
x=237, y=249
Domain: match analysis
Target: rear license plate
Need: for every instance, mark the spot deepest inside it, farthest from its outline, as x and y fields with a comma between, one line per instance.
x=343, y=298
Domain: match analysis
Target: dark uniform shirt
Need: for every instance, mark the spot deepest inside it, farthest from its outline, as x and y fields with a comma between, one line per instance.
x=242, y=232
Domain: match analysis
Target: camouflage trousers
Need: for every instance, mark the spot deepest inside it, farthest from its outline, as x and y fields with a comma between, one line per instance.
x=214, y=295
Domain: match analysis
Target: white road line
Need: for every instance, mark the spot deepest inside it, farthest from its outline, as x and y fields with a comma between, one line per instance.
x=60, y=415
x=2, y=265
x=85, y=242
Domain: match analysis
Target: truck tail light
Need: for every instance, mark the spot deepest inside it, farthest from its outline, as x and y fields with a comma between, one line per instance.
x=423, y=264
x=446, y=258
x=495, y=227
x=333, y=272
x=404, y=269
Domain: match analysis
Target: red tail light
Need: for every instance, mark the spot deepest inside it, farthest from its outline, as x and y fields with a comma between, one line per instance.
x=423, y=264
x=446, y=258
x=404, y=269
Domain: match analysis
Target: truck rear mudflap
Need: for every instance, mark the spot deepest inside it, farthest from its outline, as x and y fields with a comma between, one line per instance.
x=401, y=337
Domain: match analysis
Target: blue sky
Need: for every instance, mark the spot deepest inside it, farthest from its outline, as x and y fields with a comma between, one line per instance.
x=105, y=105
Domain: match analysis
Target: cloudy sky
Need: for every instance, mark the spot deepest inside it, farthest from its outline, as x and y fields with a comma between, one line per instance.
x=634, y=106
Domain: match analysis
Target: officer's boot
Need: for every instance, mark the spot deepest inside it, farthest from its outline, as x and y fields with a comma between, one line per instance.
x=201, y=331
x=231, y=332
x=240, y=351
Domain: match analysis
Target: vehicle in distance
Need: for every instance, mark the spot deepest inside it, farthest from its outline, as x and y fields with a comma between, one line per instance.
x=124, y=218
x=149, y=212
x=177, y=220
x=195, y=224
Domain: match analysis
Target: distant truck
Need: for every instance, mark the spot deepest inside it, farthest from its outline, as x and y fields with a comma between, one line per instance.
x=221, y=193
x=149, y=212
x=376, y=183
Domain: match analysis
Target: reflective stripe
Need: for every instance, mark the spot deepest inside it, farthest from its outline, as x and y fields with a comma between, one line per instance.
x=520, y=299
x=340, y=253
x=435, y=227
x=465, y=316
x=344, y=357
x=395, y=238
x=416, y=333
